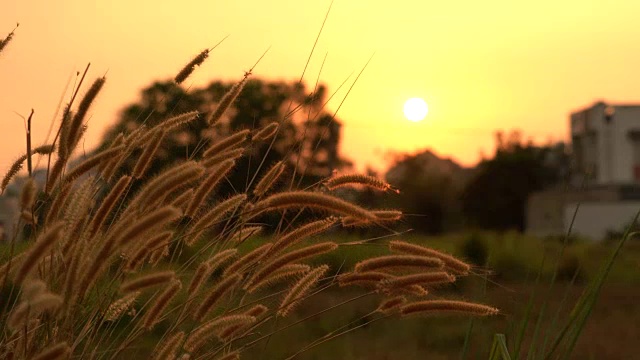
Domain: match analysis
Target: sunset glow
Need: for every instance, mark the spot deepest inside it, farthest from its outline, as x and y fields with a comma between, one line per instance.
x=487, y=66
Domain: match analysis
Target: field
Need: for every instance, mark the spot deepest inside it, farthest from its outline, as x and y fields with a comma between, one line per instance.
x=136, y=250
x=609, y=334
x=508, y=282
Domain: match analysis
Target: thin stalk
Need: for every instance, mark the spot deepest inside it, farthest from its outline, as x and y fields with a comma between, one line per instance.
x=584, y=306
x=273, y=139
x=337, y=335
x=541, y=313
x=552, y=327
x=64, y=115
x=29, y=161
x=305, y=319
x=467, y=340
x=593, y=296
x=527, y=315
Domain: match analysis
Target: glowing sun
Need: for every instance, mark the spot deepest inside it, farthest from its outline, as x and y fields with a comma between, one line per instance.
x=415, y=109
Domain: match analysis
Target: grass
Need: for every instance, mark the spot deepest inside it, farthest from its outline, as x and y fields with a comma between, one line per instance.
x=80, y=231
x=109, y=260
x=608, y=334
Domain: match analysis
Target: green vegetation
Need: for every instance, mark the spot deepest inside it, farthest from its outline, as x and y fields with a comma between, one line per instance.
x=527, y=302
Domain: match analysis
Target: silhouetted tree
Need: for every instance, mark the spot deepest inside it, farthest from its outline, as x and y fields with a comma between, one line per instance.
x=496, y=196
x=308, y=139
x=429, y=191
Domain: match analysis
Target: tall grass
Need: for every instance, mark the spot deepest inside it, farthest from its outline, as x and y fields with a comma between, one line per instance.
x=558, y=340
x=123, y=264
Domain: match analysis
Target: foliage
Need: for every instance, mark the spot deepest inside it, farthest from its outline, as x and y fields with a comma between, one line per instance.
x=430, y=189
x=569, y=267
x=497, y=195
x=475, y=249
x=308, y=141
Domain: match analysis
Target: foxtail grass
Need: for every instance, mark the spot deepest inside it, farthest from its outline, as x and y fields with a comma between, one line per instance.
x=121, y=253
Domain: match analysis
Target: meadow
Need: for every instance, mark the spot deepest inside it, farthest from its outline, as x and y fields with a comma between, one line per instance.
x=510, y=281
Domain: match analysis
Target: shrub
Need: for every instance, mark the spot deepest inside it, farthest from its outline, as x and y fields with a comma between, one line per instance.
x=508, y=265
x=514, y=257
x=474, y=249
x=569, y=266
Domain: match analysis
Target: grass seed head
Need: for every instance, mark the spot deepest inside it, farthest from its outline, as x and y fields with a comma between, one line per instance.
x=28, y=194
x=356, y=179
x=269, y=178
x=226, y=101
x=43, y=243
x=313, y=200
x=438, y=307
x=161, y=302
x=56, y=352
x=391, y=305
x=191, y=66
x=147, y=281
x=205, y=331
x=399, y=261
x=226, y=284
x=298, y=291
x=168, y=348
x=120, y=306
x=454, y=265
x=266, y=133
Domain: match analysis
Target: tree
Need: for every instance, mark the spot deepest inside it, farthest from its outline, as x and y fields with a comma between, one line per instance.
x=496, y=196
x=429, y=191
x=308, y=137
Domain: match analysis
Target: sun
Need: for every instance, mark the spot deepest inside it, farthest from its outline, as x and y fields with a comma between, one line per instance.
x=415, y=109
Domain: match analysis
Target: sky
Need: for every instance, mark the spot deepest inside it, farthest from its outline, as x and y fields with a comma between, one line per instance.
x=480, y=65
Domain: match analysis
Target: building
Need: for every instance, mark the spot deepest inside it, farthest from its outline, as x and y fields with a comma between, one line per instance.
x=605, y=143
x=10, y=203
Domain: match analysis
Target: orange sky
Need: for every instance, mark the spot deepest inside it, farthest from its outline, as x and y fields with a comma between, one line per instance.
x=480, y=65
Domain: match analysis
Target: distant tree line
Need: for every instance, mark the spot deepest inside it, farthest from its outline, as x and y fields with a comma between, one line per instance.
x=496, y=196
x=437, y=195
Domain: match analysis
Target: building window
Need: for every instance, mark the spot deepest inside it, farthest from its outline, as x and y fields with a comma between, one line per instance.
x=578, y=153
x=591, y=155
x=634, y=136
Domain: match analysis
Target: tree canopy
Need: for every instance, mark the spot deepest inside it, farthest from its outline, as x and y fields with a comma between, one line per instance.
x=429, y=191
x=307, y=138
x=496, y=196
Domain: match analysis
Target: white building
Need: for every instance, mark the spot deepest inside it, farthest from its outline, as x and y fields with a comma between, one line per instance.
x=606, y=143
x=606, y=183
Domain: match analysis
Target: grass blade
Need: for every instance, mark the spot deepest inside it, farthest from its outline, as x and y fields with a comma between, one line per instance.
x=585, y=304
x=527, y=314
x=467, y=338
x=499, y=349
